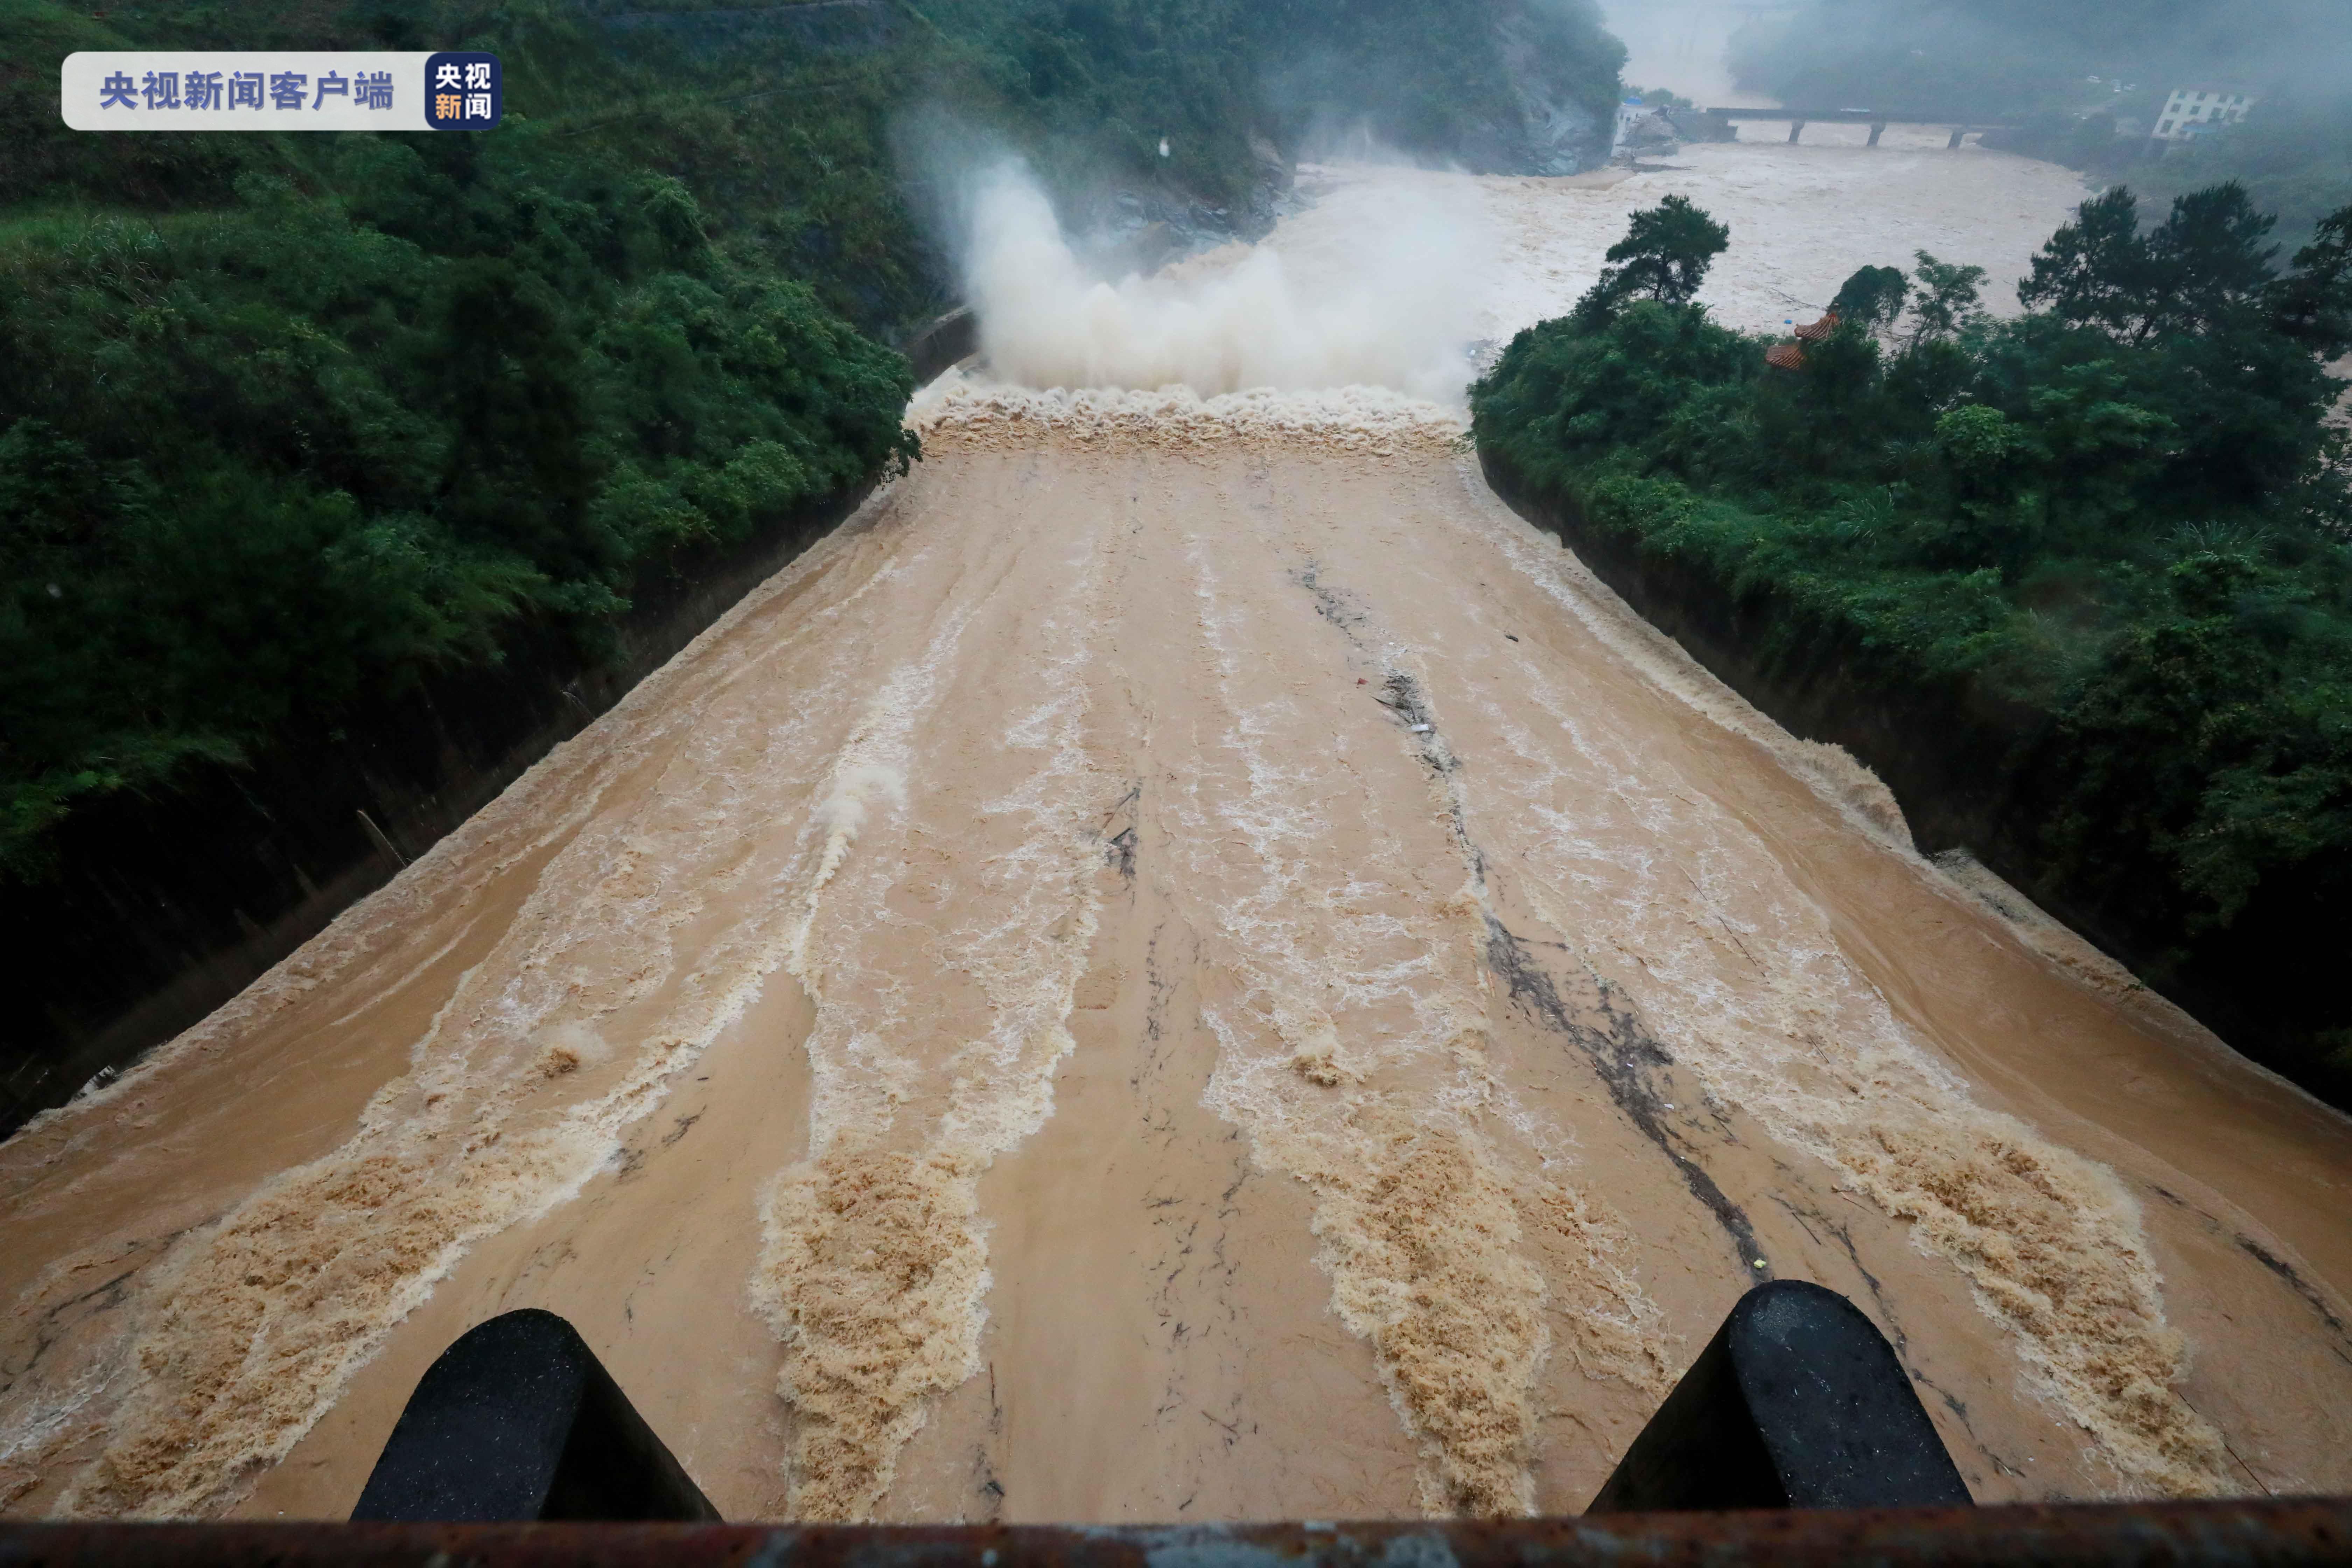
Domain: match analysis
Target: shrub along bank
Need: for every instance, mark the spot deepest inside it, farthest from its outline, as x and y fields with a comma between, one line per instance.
x=2079, y=584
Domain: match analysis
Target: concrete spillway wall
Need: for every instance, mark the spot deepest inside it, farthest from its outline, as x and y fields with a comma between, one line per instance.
x=1970, y=771
x=172, y=904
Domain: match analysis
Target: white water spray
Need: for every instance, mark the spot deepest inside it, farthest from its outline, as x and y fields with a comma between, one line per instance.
x=1385, y=299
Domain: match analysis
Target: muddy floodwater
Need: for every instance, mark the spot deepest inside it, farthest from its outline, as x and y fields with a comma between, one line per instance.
x=1188, y=964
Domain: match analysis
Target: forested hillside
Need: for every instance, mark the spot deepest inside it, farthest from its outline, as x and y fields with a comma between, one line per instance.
x=2079, y=583
x=303, y=433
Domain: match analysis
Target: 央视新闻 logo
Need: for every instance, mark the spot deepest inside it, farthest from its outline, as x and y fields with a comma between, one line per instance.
x=463, y=91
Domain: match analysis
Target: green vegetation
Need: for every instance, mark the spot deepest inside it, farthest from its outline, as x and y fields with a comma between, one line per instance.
x=2121, y=522
x=2293, y=154
x=1663, y=256
x=266, y=461
x=297, y=420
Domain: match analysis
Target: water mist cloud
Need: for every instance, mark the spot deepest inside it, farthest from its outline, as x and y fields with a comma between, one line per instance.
x=1386, y=298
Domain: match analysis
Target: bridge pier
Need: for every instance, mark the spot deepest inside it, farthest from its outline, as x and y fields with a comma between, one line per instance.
x=1877, y=129
x=1957, y=131
x=1796, y=129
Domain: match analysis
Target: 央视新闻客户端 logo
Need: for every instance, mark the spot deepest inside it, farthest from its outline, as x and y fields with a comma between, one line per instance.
x=259, y=90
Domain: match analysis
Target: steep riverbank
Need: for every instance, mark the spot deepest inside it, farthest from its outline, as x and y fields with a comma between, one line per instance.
x=178, y=900
x=1973, y=772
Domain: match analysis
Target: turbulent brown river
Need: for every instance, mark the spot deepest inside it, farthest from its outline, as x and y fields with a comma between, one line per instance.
x=1188, y=964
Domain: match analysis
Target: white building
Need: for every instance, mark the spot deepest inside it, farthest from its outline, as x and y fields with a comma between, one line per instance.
x=2191, y=109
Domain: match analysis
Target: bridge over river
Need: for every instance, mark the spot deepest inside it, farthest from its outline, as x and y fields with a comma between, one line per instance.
x=1723, y=121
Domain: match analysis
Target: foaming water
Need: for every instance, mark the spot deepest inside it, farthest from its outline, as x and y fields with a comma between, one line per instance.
x=1388, y=301
x=516, y=1095
x=962, y=413
x=1781, y=1024
x=1353, y=1049
x=933, y=1051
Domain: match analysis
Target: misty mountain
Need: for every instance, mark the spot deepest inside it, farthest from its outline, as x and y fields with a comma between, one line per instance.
x=2087, y=81
x=2012, y=57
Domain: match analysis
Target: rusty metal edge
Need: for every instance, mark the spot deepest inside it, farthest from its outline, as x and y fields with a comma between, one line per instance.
x=2281, y=1532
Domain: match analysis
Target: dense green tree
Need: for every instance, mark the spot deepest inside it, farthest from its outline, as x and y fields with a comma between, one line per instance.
x=272, y=463
x=2207, y=259
x=1665, y=257
x=2204, y=265
x=1947, y=300
x=1873, y=298
x=2095, y=271
x=2313, y=304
